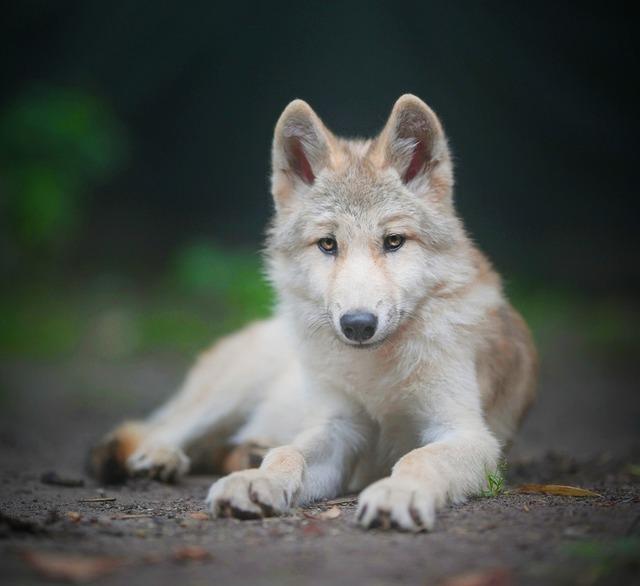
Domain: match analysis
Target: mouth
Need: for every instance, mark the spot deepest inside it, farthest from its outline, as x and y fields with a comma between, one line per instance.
x=364, y=345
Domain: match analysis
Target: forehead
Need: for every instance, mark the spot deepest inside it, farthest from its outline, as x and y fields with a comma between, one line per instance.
x=360, y=194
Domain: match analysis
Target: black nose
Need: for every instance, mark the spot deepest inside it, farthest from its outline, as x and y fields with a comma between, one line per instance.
x=358, y=326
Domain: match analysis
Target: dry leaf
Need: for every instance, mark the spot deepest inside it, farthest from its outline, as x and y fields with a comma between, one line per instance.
x=74, y=516
x=555, y=489
x=491, y=577
x=332, y=513
x=69, y=567
x=199, y=516
x=191, y=553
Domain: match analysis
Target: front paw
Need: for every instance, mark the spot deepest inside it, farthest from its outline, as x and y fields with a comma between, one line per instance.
x=249, y=494
x=159, y=462
x=396, y=503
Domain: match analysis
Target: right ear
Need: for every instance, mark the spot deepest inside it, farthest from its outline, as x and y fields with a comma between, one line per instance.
x=301, y=149
x=413, y=142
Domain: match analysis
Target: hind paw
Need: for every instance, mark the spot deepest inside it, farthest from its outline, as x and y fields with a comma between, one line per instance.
x=107, y=460
x=165, y=463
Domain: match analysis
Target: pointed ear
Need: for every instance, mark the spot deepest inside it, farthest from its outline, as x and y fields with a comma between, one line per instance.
x=414, y=143
x=301, y=149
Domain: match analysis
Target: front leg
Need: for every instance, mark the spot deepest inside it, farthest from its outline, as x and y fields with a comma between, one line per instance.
x=452, y=465
x=315, y=466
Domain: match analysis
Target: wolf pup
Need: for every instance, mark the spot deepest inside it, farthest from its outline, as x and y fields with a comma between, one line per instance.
x=393, y=362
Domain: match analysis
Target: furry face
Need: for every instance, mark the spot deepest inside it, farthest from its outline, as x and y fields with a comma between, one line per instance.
x=362, y=229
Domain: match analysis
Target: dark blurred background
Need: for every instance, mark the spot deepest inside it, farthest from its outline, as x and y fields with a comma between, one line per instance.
x=135, y=137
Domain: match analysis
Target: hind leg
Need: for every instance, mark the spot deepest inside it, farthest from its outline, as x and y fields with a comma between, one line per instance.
x=219, y=393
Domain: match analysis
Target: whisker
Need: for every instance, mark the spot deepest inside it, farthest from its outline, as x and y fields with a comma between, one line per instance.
x=317, y=322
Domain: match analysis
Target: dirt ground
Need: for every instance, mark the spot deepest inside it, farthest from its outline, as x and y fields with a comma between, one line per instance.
x=583, y=432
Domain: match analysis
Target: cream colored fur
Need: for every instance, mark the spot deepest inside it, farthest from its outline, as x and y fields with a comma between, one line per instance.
x=419, y=414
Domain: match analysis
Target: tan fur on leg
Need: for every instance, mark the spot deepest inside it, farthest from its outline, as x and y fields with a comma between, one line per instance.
x=243, y=457
x=107, y=459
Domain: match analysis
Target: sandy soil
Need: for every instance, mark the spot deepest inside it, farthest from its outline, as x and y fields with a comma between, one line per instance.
x=583, y=432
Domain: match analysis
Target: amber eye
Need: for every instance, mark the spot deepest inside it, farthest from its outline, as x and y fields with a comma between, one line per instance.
x=328, y=245
x=393, y=242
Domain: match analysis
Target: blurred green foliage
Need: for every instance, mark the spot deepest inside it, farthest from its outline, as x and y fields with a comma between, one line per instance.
x=204, y=293
x=609, y=326
x=204, y=269
x=56, y=145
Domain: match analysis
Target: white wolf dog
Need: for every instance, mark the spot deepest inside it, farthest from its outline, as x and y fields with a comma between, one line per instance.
x=393, y=364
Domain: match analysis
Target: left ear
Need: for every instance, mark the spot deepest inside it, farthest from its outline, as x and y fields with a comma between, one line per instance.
x=302, y=148
x=413, y=142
